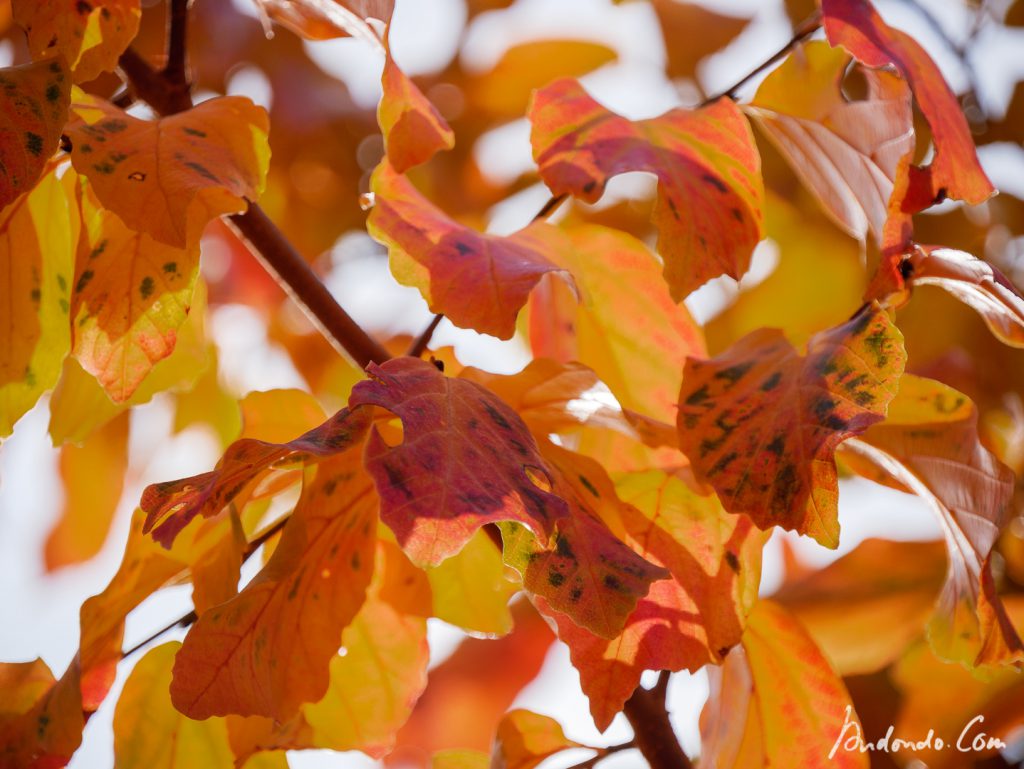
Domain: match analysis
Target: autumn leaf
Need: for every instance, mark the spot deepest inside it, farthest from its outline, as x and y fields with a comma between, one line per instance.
x=622, y=300
x=466, y=459
x=37, y=236
x=325, y=19
x=526, y=739
x=710, y=191
x=692, y=32
x=89, y=35
x=685, y=622
x=34, y=102
x=777, y=702
x=761, y=423
x=478, y=281
x=929, y=446
x=169, y=177
x=955, y=171
x=846, y=152
x=171, y=505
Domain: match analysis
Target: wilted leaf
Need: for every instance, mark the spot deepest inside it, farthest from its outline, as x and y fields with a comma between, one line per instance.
x=466, y=459
x=846, y=152
x=777, y=702
x=929, y=446
x=169, y=177
x=150, y=734
x=34, y=102
x=710, y=191
x=37, y=236
x=955, y=172
x=478, y=281
x=761, y=423
x=692, y=32
x=525, y=739
x=89, y=35
x=267, y=651
x=169, y=506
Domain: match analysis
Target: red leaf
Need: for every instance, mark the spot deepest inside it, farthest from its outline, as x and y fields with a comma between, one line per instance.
x=761, y=423
x=955, y=171
x=710, y=191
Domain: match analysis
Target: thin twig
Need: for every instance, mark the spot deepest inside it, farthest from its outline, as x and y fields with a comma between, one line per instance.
x=602, y=754
x=176, y=68
x=420, y=343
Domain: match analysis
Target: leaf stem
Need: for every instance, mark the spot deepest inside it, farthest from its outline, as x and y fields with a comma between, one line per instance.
x=647, y=714
x=602, y=754
x=420, y=343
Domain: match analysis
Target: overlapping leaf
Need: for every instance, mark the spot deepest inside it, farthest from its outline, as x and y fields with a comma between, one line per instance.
x=846, y=152
x=478, y=281
x=169, y=177
x=955, y=171
x=267, y=651
x=761, y=423
x=466, y=459
x=777, y=702
x=710, y=190
x=37, y=237
x=34, y=102
x=929, y=446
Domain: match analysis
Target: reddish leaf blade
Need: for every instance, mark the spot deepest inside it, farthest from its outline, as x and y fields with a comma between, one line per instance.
x=34, y=102
x=478, y=281
x=777, y=702
x=710, y=191
x=413, y=129
x=169, y=506
x=267, y=651
x=955, y=172
x=466, y=459
x=761, y=423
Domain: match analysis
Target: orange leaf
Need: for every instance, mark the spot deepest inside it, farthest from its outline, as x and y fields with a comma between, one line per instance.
x=169, y=506
x=525, y=739
x=267, y=651
x=466, y=459
x=930, y=447
x=692, y=32
x=777, y=702
x=89, y=35
x=169, y=177
x=478, y=281
x=131, y=295
x=413, y=129
x=761, y=423
x=326, y=19
x=34, y=102
x=955, y=172
x=846, y=152
x=710, y=190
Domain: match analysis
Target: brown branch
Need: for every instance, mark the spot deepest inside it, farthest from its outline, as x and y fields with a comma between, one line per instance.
x=602, y=754
x=420, y=343
x=652, y=730
x=176, y=68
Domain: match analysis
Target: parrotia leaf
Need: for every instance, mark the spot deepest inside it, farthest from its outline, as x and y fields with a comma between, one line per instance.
x=846, y=152
x=267, y=651
x=710, y=191
x=525, y=739
x=466, y=459
x=130, y=296
x=89, y=35
x=34, y=102
x=777, y=702
x=955, y=172
x=169, y=506
x=37, y=241
x=930, y=447
x=478, y=281
x=169, y=177
x=761, y=423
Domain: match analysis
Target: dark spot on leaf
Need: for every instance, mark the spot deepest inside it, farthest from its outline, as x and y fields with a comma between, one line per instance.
x=44, y=721
x=612, y=582
x=564, y=549
x=734, y=373
x=356, y=562
x=732, y=560
x=576, y=594
x=771, y=382
x=202, y=170
x=715, y=182
x=555, y=579
x=723, y=651
x=170, y=267
x=146, y=287
x=83, y=281
x=103, y=168
x=113, y=126
x=194, y=132
x=777, y=445
x=52, y=92
x=496, y=416
x=672, y=208
x=723, y=463
x=589, y=486
x=396, y=480
x=589, y=187
x=737, y=214
x=698, y=396
x=34, y=143
x=83, y=7
x=34, y=295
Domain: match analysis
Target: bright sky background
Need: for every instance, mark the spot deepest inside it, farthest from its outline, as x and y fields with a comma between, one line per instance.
x=40, y=611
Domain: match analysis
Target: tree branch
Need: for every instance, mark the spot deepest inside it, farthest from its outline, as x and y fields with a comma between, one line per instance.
x=420, y=343
x=654, y=736
x=176, y=68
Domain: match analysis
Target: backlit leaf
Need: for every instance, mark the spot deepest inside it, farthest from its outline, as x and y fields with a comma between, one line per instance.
x=777, y=702
x=525, y=739
x=955, y=171
x=460, y=759
x=37, y=236
x=710, y=191
x=169, y=177
x=466, y=459
x=325, y=19
x=478, y=281
x=761, y=423
x=846, y=152
x=89, y=35
x=34, y=102
x=693, y=32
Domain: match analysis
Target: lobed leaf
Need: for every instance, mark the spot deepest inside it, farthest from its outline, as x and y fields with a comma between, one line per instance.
x=761, y=423
x=169, y=177
x=710, y=191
